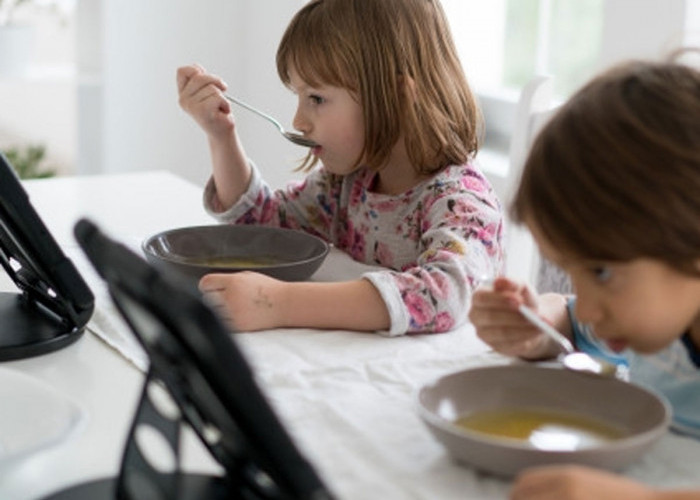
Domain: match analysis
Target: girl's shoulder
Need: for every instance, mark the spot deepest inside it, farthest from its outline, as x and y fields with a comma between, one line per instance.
x=456, y=175
x=463, y=181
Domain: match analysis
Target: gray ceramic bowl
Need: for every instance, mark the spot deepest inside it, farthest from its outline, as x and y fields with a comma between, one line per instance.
x=641, y=415
x=284, y=254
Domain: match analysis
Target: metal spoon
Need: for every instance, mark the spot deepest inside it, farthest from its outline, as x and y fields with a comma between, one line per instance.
x=571, y=358
x=294, y=137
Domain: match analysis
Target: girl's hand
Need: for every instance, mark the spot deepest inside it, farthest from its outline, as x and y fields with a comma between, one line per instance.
x=494, y=313
x=246, y=300
x=200, y=95
x=568, y=482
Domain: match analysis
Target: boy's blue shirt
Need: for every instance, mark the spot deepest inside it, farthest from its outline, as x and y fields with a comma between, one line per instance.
x=673, y=372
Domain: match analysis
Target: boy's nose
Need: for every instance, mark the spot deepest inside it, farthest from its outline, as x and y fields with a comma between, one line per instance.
x=587, y=309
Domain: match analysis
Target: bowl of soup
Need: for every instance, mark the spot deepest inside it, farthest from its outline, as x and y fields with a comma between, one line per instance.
x=192, y=252
x=503, y=419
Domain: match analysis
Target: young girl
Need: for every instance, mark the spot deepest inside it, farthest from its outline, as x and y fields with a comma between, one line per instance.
x=611, y=193
x=392, y=180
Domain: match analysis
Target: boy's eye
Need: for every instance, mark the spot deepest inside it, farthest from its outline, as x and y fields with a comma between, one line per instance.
x=602, y=273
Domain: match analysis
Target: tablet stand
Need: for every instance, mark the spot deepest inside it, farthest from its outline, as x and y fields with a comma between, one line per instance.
x=25, y=330
x=139, y=479
x=198, y=378
x=54, y=303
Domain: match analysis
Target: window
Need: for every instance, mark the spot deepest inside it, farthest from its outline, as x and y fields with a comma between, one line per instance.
x=504, y=43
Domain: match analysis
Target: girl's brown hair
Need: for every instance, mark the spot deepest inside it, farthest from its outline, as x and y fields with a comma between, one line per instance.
x=615, y=175
x=399, y=59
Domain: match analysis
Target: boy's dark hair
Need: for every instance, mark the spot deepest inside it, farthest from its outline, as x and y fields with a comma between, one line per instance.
x=615, y=175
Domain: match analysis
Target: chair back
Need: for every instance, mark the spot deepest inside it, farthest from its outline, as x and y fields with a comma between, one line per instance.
x=533, y=110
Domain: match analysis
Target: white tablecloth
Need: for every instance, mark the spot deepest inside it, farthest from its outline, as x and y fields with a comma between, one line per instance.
x=349, y=400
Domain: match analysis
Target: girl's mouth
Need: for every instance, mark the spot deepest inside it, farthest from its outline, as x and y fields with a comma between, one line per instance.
x=316, y=150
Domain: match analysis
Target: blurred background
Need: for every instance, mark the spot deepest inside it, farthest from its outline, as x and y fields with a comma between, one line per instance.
x=88, y=86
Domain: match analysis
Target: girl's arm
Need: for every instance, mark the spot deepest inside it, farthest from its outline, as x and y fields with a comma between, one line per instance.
x=300, y=205
x=453, y=237
x=230, y=170
x=200, y=95
x=250, y=301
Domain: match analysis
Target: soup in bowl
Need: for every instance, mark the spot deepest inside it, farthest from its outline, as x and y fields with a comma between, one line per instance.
x=502, y=419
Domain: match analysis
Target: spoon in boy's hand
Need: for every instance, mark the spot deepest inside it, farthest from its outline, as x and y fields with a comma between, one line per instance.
x=295, y=138
x=571, y=359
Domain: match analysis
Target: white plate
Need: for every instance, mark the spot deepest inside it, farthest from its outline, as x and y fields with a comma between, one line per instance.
x=33, y=415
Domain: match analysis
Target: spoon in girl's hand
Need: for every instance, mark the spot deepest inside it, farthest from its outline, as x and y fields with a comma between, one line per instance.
x=571, y=359
x=292, y=136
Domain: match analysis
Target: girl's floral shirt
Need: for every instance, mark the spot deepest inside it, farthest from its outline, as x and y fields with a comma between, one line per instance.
x=435, y=240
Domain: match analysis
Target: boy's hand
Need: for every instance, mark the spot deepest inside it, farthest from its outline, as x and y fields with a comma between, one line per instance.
x=568, y=482
x=200, y=95
x=494, y=313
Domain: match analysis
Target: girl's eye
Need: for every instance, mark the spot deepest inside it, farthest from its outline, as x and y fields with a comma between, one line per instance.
x=316, y=99
x=602, y=273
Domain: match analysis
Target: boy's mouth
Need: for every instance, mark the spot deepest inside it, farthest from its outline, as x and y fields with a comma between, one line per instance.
x=616, y=345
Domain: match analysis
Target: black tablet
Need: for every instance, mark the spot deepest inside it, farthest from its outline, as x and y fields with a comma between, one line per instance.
x=54, y=303
x=195, y=357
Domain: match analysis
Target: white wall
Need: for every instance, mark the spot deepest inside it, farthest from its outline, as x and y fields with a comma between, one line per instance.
x=692, y=23
x=40, y=110
x=38, y=104
x=641, y=29
x=143, y=43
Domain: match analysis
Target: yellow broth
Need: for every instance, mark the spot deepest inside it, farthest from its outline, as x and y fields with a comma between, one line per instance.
x=543, y=429
x=236, y=262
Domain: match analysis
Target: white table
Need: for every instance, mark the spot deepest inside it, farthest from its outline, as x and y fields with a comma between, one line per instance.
x=346, y=398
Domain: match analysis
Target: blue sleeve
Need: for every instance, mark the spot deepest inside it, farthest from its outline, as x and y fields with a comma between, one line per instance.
x=693, y=353
x=586, y=341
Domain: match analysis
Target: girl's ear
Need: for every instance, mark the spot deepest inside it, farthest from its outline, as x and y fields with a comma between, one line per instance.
x=407, y=86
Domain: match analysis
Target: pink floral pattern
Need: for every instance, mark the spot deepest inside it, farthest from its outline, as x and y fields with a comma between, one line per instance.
x=436, y=240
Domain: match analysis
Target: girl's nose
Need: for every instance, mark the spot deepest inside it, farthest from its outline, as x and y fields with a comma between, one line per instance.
x=300, y=122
